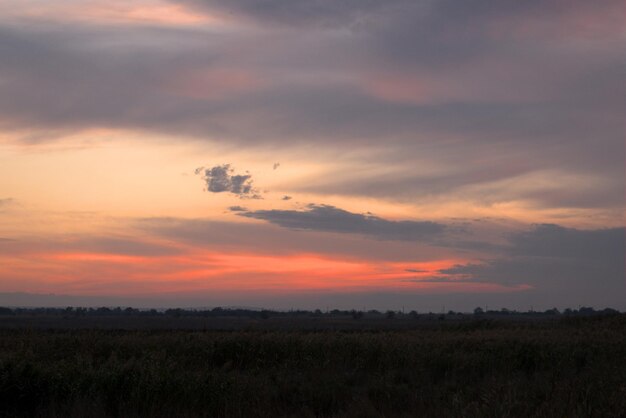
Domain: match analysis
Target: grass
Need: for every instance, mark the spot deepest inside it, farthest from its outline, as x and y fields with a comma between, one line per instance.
x=570, y=368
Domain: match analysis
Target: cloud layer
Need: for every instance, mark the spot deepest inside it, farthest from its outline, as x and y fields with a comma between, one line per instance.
x=331, y=219
x=501, y=92
x=560, y=263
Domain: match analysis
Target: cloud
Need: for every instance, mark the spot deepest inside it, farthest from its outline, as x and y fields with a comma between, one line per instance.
x=561, y=263
x=6, y=202
x=548, y=240
x=350, y=13
x=324, y=13
x=286, y=197
x=429, y=78
x=85, y=244
x=122, y=246
x=221, y=179
x=237, y=209
x=252, y=237
x=435, y=279
x=331, y=219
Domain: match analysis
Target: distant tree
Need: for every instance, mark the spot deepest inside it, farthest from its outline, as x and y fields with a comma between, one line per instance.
x=478, y=311
x=586, y=311
x=174, y=312
x=609, y=311
x=390, y=314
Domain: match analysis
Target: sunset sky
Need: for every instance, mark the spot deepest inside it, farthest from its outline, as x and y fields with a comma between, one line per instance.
x=377, y=154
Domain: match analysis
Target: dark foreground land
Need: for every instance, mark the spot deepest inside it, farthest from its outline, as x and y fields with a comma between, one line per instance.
x=476, y=367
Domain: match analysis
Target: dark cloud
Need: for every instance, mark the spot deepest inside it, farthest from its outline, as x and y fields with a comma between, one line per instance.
x=563, y=263
x=331, y=219
x=237, y=209
x=221, y=179
x=286, y=197
x=605, y=246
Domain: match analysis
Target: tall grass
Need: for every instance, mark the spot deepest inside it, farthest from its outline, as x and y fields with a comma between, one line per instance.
x=573, y=369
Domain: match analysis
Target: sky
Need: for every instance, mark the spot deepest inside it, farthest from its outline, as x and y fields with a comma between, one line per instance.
x=367, y=154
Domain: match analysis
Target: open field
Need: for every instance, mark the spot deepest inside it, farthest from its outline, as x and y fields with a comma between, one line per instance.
x=570, y=367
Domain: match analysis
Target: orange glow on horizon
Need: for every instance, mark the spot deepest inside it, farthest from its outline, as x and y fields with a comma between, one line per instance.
x=238, y=272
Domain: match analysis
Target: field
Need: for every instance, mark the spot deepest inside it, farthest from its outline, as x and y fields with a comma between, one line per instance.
x=565, y=367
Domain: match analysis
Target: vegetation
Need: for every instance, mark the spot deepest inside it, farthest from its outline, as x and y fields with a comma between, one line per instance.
x=568, y=366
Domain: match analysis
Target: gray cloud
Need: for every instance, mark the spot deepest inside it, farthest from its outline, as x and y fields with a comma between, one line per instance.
x=323, y=13
x=605, y=246
x=221, y=179
x=509, y=78
x=435, y=279
x=484, y=184
x=237, y=209
x=561, y=263
x=331, y=219
x=344, y=12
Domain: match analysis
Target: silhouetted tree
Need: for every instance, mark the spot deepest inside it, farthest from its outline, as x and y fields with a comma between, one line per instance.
x=356, y=314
